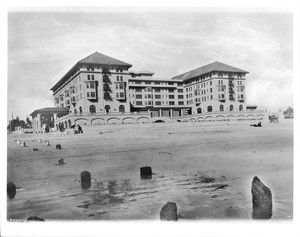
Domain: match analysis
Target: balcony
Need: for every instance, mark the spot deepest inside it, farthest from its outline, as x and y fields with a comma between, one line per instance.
x=106, y=80
x=107, y=88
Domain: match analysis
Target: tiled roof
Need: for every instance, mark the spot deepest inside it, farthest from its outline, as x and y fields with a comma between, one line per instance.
x=95, y=58
x=98, y=58
x=50, y=110
x=212, y=67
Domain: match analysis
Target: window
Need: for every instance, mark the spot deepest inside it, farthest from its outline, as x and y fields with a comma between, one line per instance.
x=117, y=95
x=199, y=111
x=241, y=108
x=121, y=78
x=93, y=78
x=157, y=96
x=210, y=90
x=92, y=109
x=180, y=90
x=121, y=94
x=117, y=86
x=139, y=102
x=231, y=108
x=107, y=109
x=221, y=107
x=171, y=96
x=80, y=109
x=211, y=97
x=93, y=94
x=138, y=90
x=210, y=82
x=117, y=78
x=139, y=96
x=88, y=94
x=171, y=90
x=87, y=85
x=121, y=109
x=137, y=82
x=171, y=102
x=88, y=77
x=180, y=103
x=157, y=90
x=179, y=84
x=209, y=108
x=180, y=96
x=92, y=85
x=157, y=102
x=121, y=86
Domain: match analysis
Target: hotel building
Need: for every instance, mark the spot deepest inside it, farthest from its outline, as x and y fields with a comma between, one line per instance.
x=100, y=87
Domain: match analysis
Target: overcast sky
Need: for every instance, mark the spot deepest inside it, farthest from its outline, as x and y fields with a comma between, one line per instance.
x=42, y=46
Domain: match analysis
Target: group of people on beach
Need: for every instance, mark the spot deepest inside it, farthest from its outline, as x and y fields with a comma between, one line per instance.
x=78, y=130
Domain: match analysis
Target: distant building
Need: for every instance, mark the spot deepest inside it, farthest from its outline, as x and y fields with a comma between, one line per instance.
x=101, y=86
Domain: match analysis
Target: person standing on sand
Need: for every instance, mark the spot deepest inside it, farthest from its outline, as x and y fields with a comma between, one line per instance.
x=79, y=129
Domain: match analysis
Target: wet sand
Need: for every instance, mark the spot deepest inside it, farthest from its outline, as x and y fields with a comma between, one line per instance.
x=206, y=168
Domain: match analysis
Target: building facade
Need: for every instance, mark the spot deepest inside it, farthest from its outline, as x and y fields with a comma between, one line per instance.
x=102, y=86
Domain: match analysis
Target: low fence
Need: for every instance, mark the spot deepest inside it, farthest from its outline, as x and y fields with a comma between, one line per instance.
x=145, y=117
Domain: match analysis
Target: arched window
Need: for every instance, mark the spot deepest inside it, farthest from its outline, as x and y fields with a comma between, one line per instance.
x=199, y=110
x=69, y=123
x=107, y=109
x=209, y=108
x=92, y=109
x=75, y=111
x=241, y=108
x=66, y=124
x=221, y=107
x=231, y=108
x=80, y=109
x=121, y=109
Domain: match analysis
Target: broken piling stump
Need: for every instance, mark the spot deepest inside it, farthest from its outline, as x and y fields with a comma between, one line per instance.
x=169, y=212
x=47, y=143
x=61, y=162
x=23, y=144
x=35, y=149
x=11, y=190
x=85, y=179
x=58, y=146
x=261, y=200
x=146, y=172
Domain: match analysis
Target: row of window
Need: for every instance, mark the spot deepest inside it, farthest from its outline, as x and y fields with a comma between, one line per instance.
x=199, y=99
x=149, y=89
x=221, y=108
x=156, y=83
x=120, y=95
x=120, y=86
x=139, y=102
x=150, y=96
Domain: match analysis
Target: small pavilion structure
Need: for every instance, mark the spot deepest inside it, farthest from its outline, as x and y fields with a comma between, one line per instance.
x=44, y=120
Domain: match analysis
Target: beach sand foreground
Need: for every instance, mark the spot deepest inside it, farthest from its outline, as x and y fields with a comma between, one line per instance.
x=205, y=168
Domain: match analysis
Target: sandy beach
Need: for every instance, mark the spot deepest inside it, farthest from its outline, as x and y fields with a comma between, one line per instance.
x=206, y=168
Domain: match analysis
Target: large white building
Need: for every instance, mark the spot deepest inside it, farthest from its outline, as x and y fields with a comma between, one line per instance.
x=99, y=87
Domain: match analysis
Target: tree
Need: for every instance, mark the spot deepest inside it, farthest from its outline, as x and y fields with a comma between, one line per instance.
x=289, y=113
x=28, y=122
